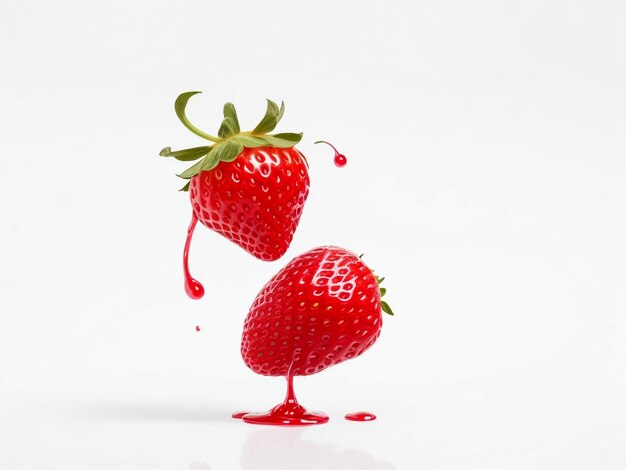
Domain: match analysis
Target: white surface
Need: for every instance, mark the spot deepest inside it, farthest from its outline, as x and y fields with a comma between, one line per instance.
x=486, y=171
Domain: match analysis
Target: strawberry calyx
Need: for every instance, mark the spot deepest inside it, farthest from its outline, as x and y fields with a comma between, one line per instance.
x=230, y=140
x=384, y=306
x=379, y=280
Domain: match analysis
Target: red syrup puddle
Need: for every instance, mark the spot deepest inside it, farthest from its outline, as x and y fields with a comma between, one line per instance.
x=361, y=416
x=288, y=413
x=340, y=159
x=239, y=414
x=193, y=288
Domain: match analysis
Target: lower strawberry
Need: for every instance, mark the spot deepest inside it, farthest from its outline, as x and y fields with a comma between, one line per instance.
x=323, y=308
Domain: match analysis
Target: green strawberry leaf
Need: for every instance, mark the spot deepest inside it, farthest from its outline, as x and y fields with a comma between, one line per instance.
x=290, y=136
x=227, y=151
x=227, y=128
x=271, y=118
x=281, y=111
x=192, y=171
x=179, y=106
x=383, y=291
x=386, y=308
x=186, y=187
x=231, y=140
x=185, y=155
x=281, y=142
x=209, y=162
x=230, y=112
x=250, y=142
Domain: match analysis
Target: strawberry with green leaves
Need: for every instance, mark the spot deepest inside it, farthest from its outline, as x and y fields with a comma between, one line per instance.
x=323, y=308
x=249, y=186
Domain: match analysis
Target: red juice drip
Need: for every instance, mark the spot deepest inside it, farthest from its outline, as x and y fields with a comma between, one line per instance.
x=340, y=159
x=197, y=328
x=361, y=416
x=288, y=413
x=193, y=288
x=239, y=414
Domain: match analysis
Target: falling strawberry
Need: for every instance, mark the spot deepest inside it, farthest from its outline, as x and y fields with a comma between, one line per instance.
x=248, y=186
x=321, y=309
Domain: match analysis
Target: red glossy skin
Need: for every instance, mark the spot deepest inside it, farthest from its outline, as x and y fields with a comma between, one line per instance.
x=256, y=200
x=321, y=309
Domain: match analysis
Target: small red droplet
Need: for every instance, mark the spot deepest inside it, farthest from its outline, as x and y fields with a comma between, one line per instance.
x=361, y=416
x=197, y=328
x=340, y=160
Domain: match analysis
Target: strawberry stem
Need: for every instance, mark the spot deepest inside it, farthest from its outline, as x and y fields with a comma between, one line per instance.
x=179, y=105
x=327, y=143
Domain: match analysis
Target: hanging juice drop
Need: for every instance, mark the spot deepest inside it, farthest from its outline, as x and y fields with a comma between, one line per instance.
x=193, y=288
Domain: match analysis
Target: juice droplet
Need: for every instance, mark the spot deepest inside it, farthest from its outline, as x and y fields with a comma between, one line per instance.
x=361, y=416
x=197, y=328
x=340, y=158
x=194, y=289
x=288, y=413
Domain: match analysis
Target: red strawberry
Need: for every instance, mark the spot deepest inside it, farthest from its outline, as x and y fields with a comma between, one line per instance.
x=321, y=309
x=249, y=187
x=256, y=200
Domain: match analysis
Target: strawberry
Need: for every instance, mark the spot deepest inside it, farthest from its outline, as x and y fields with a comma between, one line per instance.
x=321, y=309
x=249, y=186
x=256, y=200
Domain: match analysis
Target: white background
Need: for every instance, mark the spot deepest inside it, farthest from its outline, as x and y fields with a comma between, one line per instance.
x=486, y=181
